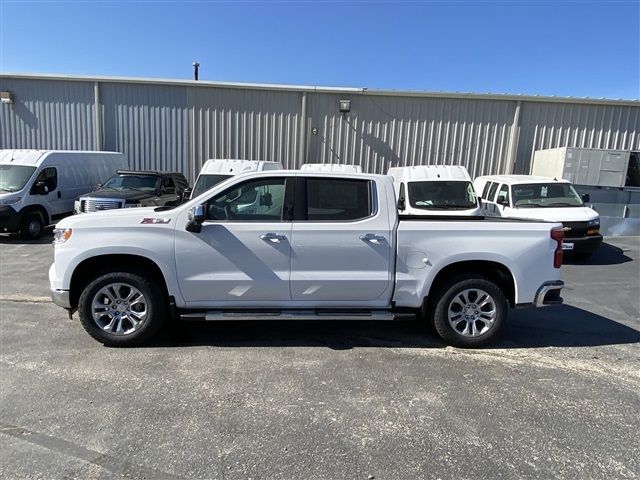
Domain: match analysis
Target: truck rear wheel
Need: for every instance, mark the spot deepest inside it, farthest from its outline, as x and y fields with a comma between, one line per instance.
x=470, y=311
x=122, y=309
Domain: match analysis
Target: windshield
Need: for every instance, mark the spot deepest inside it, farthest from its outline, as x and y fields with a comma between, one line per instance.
x=145, y=183
x=205, y=182
x=443, y=195
x=545, y=195
x=14, y=177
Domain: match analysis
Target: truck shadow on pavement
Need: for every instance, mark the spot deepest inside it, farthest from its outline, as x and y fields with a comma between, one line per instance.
x=562, y=326
x=607, y=254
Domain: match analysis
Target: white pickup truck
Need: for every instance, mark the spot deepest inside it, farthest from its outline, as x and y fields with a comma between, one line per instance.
x=315, y=247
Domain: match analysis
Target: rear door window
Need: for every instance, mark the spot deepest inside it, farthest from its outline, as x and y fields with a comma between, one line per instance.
x=333, y=199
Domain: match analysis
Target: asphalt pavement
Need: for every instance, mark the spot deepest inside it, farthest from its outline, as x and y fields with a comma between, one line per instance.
x=557, y=397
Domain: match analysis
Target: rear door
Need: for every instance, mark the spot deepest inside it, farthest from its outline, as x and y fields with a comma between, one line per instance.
x=341, y=243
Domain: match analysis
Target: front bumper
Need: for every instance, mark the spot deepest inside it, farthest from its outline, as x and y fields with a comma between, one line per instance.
x=549, y=294
x=61, y=298
x=584, y=244
x=9, y=219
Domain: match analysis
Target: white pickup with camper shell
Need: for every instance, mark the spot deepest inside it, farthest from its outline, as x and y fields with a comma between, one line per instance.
x=316, y=246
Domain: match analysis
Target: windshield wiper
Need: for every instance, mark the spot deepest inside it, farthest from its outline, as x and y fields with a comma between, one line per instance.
x=560, y=204
x=7, y=190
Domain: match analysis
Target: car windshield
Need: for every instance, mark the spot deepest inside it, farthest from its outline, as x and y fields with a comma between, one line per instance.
x=545, y=195
x=205, y=182
x=443, y=195
x=145, y=183
x=14, y=177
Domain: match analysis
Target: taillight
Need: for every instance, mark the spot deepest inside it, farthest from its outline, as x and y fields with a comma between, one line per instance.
x=557, y=234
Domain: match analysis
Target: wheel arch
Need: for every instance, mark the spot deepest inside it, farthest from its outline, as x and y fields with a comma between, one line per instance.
x=40, y=209
x=489, y=269
x=91, y=267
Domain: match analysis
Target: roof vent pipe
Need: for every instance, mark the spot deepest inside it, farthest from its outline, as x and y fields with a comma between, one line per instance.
x=195, y=70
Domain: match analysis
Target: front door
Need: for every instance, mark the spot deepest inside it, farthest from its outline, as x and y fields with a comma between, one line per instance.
x=242, y=256
x=341, y=244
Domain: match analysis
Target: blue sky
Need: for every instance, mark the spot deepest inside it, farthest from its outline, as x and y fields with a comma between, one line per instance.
x=547, y=48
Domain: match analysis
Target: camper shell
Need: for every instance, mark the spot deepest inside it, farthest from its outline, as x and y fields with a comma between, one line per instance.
x=330, y=168
x=38, y=187
x=215, y=171
x=435, y=190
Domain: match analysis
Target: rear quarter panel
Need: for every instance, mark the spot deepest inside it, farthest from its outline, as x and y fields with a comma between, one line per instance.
x=426, y=247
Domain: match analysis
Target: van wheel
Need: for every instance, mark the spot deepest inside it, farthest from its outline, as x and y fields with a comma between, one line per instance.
x=121, y=309
x=470, y=311
x=31, y=226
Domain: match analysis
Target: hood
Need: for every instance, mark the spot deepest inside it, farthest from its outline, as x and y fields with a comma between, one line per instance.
x=127, y=195
x=120, y=217
x=559, y=214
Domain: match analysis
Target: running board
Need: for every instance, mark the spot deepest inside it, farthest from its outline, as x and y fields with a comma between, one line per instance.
x=216, y=315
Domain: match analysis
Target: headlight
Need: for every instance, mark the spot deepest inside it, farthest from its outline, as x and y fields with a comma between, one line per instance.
x=61, y=235
x=594, y=223
x=10, y=201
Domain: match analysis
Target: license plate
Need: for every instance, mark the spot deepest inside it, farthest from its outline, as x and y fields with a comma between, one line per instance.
x=567, y=246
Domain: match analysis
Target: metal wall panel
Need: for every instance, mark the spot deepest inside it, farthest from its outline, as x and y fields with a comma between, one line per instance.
x=384, y=131
x=47, y=115
x=148, y=123
x=551, y=125
x=177, y=125
x=243, y=124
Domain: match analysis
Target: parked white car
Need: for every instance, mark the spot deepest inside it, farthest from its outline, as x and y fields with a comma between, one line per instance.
x=38, y=187
x=543, y=198
x=216, y=171
x=434, y=190
x=319, y=246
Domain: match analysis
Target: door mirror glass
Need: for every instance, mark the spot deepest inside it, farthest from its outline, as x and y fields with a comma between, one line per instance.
x=502, y=201
x=186, y=194
x=586, y=198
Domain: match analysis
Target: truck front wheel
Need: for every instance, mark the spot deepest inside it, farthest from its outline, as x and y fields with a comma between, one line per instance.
x=470, y=311
x=122, y=309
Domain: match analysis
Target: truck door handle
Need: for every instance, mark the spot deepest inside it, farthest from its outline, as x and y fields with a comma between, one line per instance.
x=372, y=238
x=273, y=237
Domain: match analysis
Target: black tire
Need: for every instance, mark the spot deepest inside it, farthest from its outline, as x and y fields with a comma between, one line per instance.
x=155, y=302
x=31, y=226
x=451, y=291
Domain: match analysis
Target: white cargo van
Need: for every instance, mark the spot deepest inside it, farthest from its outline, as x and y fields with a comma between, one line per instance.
x=38, y=187
x=330, y=168
x=435, y=190
x=543, y=198
x=216, y=170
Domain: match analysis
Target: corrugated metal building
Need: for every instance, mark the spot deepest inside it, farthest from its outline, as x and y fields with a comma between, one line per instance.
x=177, y=125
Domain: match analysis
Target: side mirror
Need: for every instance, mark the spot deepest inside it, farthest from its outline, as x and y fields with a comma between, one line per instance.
x=586, y=198
x=41, y=188
x=98, y=186
x=479, y=201
x=502, y=200
x=186, y=194
x=196, y=217
x=402, y=204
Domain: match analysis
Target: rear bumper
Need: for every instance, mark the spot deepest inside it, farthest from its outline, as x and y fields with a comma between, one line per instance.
x=584, y=244
x=549, y=294
x=9, y=219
